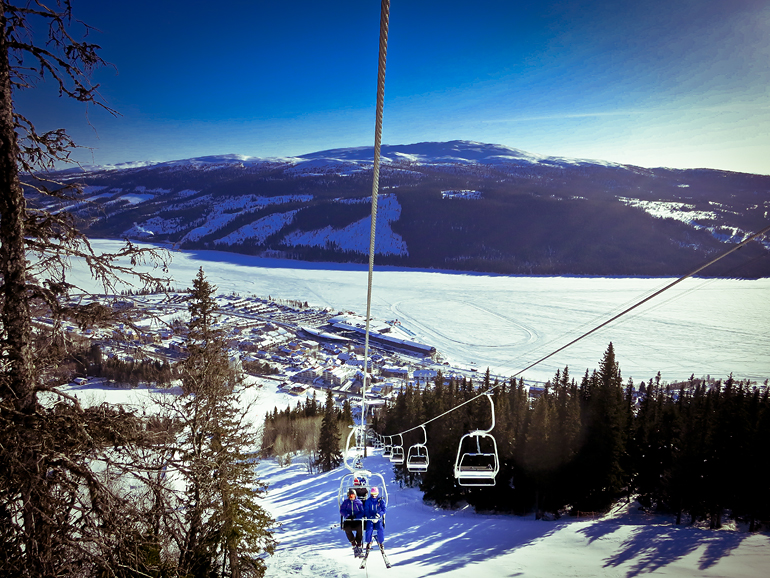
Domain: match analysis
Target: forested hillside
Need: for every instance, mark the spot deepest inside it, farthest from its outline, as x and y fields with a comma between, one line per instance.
x=457, y=205
x=689, y=448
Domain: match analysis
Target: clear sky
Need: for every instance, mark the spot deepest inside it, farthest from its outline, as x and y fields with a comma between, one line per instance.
x=678, y=83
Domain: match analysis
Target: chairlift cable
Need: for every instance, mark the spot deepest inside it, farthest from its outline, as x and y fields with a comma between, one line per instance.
x=603, y=324
x=383, y=52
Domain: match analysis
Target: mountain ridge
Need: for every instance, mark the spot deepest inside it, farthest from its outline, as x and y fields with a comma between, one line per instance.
x=423, y=152
x=458, y=205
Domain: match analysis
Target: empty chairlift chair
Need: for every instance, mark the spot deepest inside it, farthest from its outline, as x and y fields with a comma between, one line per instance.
x=354, y=451
x=397, y=454
x=388, y=448
x=477, y=462
x=417, y=456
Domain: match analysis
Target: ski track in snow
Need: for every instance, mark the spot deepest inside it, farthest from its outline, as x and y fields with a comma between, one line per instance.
x=529, y=335
x=258, y=230
x=227, y=209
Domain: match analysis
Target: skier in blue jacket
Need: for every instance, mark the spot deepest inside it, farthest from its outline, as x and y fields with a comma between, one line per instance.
x=352, y=510
x=374, y=512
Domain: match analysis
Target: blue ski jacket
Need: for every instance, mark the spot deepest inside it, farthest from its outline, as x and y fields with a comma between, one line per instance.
x=354, y=509
x=374, y=507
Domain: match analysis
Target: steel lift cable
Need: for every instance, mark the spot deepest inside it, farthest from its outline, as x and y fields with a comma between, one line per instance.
x=383, y=53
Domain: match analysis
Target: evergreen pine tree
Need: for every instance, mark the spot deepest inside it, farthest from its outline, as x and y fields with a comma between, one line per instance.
x=329, y=454
x=541, y=451
x=225, y=531
x=601, y=473
x=48, y=450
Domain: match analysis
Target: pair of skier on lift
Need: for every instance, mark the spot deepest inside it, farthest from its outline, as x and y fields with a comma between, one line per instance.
x=372, y=511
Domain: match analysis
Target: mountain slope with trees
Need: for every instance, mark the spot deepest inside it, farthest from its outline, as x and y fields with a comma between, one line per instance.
x=458, y=205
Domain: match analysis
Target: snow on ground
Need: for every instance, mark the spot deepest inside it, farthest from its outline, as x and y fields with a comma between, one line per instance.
x=671, y=210
x=687, y=214
x=355, y=237
x=157, y=226
x=259, y=230
x=702, y=326
x=227, y=209
x=465, y=194
x=132, y=199
x=202, y=200
x=263, y=393
x=425, y=541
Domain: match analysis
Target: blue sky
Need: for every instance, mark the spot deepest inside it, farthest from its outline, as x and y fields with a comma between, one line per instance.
x=679, y=83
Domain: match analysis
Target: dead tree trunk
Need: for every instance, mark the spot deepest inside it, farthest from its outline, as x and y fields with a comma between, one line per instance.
x=15, y=315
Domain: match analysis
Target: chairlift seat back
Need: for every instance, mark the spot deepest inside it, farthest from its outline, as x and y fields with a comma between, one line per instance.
x=397, y=455
x=417, y=458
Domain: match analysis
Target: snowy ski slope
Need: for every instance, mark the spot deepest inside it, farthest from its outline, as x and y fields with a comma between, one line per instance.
x=425, y=541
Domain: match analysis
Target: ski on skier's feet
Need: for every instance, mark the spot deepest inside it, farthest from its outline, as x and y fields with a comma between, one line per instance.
x=385, y=557
x=364, y=559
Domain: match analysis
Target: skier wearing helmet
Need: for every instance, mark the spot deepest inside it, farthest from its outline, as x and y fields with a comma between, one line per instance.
x=374, y=512
x=352, y=510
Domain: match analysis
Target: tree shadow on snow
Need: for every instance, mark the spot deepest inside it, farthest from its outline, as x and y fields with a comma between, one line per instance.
x=654, y=546
x=450, y=540
x=438, y=540
x=306, y=509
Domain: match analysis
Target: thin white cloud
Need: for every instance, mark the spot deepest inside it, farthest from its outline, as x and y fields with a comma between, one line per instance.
x=639, y=112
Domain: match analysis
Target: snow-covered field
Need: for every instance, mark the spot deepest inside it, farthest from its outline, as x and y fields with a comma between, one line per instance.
x=701, y=326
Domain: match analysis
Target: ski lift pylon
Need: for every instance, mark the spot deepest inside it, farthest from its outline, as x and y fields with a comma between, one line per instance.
x=478, y=468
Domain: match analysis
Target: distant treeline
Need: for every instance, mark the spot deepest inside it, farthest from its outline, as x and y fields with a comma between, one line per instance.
x=259, y=368
x=299, y=429
x=89, y=360
x=693, y=449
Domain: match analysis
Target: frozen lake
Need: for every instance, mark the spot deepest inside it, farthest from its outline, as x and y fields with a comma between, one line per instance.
x=700, y=326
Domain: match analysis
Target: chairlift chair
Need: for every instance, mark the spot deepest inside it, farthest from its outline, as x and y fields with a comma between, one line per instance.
x=354, y=453
x=478, y=468
x=361, y=482
x=397, y=454
x=360, y=437
x=388, y=448
x=417, y=457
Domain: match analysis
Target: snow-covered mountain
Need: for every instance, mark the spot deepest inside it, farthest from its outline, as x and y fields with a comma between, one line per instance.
x=451, y=205
x=426, y=153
